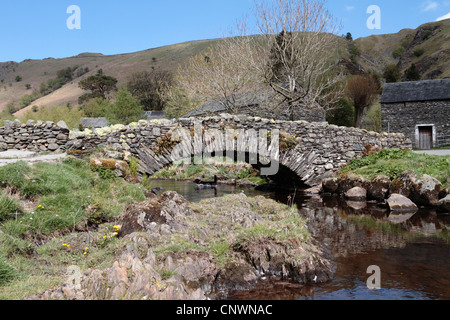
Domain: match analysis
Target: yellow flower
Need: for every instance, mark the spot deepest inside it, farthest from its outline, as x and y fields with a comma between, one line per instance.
x=85, y=253
x=64, y=244
x=104, y=237
x=87, y=248
x=68, y=246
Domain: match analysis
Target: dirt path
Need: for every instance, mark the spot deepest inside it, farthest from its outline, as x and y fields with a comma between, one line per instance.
x=443, y=152
x=13, y=156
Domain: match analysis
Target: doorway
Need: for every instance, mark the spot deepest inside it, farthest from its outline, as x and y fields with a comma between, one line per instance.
x=425, y=137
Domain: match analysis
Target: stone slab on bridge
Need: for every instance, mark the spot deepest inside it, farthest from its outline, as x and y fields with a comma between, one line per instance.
x=310, y=151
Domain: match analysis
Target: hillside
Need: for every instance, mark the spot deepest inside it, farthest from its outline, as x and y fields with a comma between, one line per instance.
x=428, y=47
x=121, y=66
x=431, y=40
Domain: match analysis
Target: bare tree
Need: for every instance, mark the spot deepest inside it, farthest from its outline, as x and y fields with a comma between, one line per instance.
x=296, y=51
x=217, y=74
x=292, y=51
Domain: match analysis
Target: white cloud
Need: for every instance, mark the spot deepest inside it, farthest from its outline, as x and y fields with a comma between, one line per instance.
x=447, y=16
x=349, y=8
x=429, y=5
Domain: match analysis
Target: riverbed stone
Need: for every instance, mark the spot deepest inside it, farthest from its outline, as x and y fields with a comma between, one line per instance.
x=356, y=194
x=400, y=203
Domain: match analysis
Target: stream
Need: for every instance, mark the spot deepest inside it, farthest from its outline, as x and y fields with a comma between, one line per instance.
x=414, y=262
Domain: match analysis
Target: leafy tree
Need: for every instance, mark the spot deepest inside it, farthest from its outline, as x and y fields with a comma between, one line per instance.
x=343, y=114
x=412, y=73
x=18, y=78
x=349, y=36
x=391, y=73
x=146, y=86
x=97, y=107
x=64, y=75
x=126, y=108
x=362, y=91
x=99, y=85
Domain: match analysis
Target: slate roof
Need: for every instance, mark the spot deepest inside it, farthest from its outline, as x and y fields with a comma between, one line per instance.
x=242, y=100
x=94, y=123
x=413, y=91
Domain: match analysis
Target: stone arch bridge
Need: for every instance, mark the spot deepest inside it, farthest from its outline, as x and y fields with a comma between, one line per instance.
x=307, y=151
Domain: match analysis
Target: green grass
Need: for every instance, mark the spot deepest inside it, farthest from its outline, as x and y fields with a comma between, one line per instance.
x=8, y=207
x=395, y=161
x=56, y=199
x=63, y=196
x=7, y=273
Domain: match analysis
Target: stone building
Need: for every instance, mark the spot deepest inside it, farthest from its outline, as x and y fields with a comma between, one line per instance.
x=418, y=109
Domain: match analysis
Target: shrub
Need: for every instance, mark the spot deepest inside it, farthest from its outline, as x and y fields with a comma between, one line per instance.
x=418, y=52
x=426, y=34
x=391, y=73
x=71, y=116
x=398, y=52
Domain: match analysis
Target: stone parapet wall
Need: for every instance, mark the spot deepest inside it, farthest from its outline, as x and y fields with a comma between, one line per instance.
x=319, y=148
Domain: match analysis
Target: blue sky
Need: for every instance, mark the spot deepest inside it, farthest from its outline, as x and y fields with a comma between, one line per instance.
x=32, y=29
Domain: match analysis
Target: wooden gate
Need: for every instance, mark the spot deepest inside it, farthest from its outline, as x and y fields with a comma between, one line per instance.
x=425, y=138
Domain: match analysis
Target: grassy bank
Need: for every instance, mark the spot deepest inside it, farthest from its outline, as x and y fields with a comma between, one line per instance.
x=393, y=162
x=40, y=208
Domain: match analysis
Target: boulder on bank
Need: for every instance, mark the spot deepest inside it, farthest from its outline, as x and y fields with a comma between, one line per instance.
x=330, y=185
x=356, y=194
x=378, y=188
x=403, y=183
x=400, y=203
x=425, y=191
x=350, y=181
x=444, y=204
x=120, y=167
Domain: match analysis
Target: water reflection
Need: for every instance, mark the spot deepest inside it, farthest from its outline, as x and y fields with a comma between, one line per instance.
x=413, y=264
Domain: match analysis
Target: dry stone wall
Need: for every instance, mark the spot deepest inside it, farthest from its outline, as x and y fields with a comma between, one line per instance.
x=34, y=136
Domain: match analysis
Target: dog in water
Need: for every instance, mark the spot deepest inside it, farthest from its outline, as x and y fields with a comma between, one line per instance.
x=206, y=184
